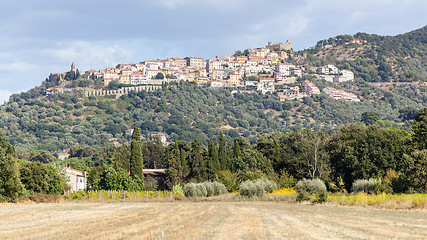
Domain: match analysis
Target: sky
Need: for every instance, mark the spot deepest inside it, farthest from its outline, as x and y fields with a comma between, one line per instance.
x=45, y=36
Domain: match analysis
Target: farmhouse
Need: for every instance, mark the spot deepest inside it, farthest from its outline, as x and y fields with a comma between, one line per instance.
x=77, y=179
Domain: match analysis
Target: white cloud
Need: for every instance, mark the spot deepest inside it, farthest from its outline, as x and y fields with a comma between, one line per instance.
x=89, y=54
x=17, y=67
x=173, y=3
x=42, y=37
x=215, y=5
x=4, y=96
x=257, y=27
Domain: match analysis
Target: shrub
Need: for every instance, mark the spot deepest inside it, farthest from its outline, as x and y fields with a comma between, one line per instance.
x=362, y=185
x=286, y=180
x=190, y=190
x=229, y=179
x=78, y=113
x=201, y=190
x=269, y=186
x=257, y=187
x=205, y=189
x=178, y=191
x=313, y=189
x=248, y=189
x=219, y=188
x=399, y=184
x=209, y=188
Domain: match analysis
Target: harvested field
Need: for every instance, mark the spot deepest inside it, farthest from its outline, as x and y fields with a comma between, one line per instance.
x=206, y=220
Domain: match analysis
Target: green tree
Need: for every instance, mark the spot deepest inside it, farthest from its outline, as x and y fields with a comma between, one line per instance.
x=303, y=154
x=269, y=146
x=10, y=183
x=39, y=178
x=172, y=159
x=213, y=164
x=178, y=168
x=159, y=76
x=236, y=148
x=420, y=130
x=121, y=157
x=416, y=171
x=198, y=164
x=360, y=152
x=43, y=157
x=78, y=74
x=153, y=153
x=114, y=85
x=136, y=163
x=369, y=118
x=250, y=160
x=112, y=179
x=222, y=152
x=72, y=75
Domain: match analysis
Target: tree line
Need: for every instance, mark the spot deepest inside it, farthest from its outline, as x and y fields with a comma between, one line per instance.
x=395, y=158
x=185, y=111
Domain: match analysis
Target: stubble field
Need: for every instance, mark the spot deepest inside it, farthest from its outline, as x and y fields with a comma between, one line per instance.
x=206, y=220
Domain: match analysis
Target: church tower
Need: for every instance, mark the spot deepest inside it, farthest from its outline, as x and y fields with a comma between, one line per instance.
x=73, y=67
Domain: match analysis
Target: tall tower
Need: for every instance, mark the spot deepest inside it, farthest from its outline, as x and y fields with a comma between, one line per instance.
x=73, y=67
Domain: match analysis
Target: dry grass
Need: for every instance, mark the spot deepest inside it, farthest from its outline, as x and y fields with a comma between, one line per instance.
x=391, y=201
x=206, y=220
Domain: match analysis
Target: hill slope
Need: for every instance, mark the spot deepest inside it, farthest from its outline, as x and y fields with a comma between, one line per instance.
x=185, y=111
x=380, y=58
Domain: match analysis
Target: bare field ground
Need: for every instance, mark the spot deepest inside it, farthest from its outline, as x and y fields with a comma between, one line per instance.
x=206, y=220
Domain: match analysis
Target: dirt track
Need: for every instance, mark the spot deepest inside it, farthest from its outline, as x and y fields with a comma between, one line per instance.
x=206, y=220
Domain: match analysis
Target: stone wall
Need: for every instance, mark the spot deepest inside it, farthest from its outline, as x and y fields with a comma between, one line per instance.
x=122, y=91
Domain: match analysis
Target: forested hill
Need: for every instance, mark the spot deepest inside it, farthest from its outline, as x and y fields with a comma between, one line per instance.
x=185, y=111
x=390, y=80
x=380, y=59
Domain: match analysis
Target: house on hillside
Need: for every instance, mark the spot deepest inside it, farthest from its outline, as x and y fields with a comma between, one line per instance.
x=129, y=132
x=77, y=179
x=63, y=156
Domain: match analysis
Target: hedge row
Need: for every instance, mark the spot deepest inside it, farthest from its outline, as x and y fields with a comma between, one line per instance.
x=205, y=189
x=257, y=187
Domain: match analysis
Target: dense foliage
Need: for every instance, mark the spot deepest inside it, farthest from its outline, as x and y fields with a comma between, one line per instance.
x=393, y=159
x=22, y=178
x=10, y=183
x=185, y=112
x=380, y=59
x=232, y=137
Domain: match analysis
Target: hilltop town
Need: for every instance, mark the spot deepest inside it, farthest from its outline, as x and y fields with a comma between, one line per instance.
x=263, y=70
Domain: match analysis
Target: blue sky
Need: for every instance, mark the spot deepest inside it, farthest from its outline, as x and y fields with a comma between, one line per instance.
x=44, y=36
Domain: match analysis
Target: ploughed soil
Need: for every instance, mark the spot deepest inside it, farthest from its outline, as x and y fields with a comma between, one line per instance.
x=206, y=220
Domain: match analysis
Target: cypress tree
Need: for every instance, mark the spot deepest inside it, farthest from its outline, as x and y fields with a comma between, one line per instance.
x=213, y=164
x=198, y=165
x=72, y=75
x=236, y=148
x=184, y=169
x=222, y=151
x=136, y=161
x=78, y=74
x=172, y=159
